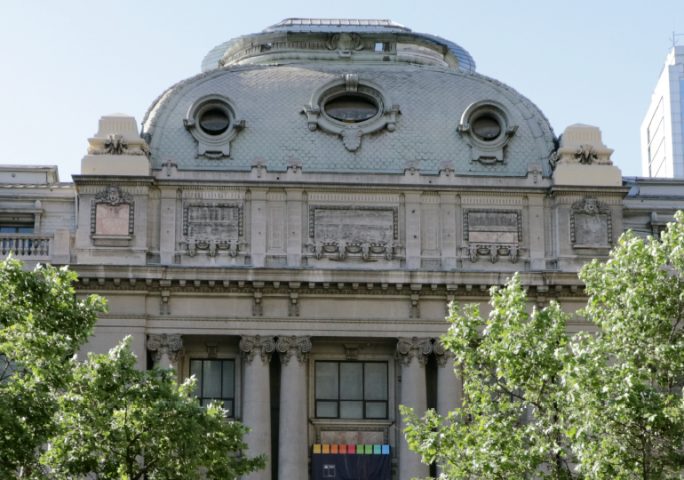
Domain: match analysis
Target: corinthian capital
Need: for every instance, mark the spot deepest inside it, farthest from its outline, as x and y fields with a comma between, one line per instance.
x=250, y=345
x=442, y=355
x=409, y=348
x=165, y=344
x=290, y=346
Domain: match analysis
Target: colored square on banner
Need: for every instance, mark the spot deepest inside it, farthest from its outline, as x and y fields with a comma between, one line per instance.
x=369, y=449
x=351, y=449
x=377, y=449
x=326, y=448
x=317, y=448
x=343, y=449
x=385, y=449
x=334, y=448
x=360, y=450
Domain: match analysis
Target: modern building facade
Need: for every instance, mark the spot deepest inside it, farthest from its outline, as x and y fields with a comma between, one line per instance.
x=662, y=130
x=291, y=223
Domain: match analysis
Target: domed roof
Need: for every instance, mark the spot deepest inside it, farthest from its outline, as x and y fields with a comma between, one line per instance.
x=346, y=96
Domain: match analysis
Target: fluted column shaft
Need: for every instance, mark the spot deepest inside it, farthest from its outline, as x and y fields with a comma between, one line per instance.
x=256, y=409
x=292, y=442
x=413, y=354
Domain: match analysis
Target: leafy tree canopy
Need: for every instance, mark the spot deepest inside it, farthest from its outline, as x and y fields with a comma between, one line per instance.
x=605, y=404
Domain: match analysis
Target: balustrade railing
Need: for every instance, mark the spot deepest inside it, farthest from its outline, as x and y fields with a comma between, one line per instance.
x=26, y=246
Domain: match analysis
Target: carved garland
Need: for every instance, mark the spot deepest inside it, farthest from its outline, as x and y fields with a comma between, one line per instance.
x=113, y=196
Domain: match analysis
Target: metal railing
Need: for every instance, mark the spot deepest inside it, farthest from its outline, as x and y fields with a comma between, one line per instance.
x=27, y=246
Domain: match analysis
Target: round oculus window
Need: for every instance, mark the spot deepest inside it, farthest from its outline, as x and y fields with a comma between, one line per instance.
x=486, y=127
x=351, y=108
x=214, y=121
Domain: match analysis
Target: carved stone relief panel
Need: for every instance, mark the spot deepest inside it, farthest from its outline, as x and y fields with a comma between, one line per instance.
x=112, y=213
x=213, y=228
x=430, y=229
x=590, y=224
x=492, y=234
x=276, y=228
x=337, y=232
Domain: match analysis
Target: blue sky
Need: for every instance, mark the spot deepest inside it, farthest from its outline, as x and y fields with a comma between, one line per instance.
x=65, y=64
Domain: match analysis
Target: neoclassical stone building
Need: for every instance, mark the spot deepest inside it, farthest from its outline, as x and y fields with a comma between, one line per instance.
x=290, y=224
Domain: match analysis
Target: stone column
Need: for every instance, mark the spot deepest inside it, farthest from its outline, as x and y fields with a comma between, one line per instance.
x=256, y=408
x=413, y=355
x=293, y=442
x=166, y=349
x=449, y=385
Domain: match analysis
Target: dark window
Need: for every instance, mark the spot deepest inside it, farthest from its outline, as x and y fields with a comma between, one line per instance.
x=18, y=228
x=351, y=108
x=214, y=121
x=215, y=382
x=486, y=127
x=351, y=390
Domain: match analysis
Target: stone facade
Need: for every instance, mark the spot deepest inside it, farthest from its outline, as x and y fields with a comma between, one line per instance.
x=311, y=259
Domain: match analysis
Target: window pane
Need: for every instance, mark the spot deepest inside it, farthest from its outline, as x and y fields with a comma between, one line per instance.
x=211, y=383
x=326, y=380
x=228, y=378
x=376, y=381
x=351, y=409
x=326, y=409
x=376, y=409
x=24, y=229
x=228, y=405
x=196, y=370
x=351, y=381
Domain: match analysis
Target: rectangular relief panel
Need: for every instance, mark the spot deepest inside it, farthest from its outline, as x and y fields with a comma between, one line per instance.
x=212, y=227
x=492, y=233
x=367, y=232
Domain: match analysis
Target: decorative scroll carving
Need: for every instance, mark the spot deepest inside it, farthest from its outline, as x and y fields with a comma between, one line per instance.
x=293, y=346
x=442, y=355
x=213, y=228
x=165, y=344
x=366, y=232
x=257, y=306
x=409, y=348
x=590, y=224
x=586, y=154
x=415, y=306
x=492, y=234
x=115, y=144
x=345, y=42
x=112, y=212
x=250, y=345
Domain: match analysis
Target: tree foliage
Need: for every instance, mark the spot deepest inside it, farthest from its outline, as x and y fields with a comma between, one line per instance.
x=102, y=418
x=605, y=404
x=625, y=385
x=509, y=425
x=42, y=324
x=118, y=422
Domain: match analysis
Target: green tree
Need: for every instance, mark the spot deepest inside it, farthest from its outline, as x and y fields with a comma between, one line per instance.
x=605, y=404
x=42, y=325
x=625, y=386
x=510, y=423
x=118, y=422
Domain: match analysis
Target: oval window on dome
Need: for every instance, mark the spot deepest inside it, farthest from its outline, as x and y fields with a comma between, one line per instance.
x=487, y=127
x=214, y=121
x=351, y=108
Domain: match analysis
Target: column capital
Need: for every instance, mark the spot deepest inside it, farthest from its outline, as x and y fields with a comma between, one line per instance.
x=250, y=345
x=408, y=348
x=292, y=345
x=442, y=354
x=165, y=344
